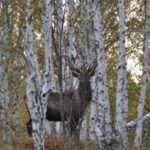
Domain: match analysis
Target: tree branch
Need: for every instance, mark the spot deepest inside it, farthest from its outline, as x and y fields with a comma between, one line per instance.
x=132, y=124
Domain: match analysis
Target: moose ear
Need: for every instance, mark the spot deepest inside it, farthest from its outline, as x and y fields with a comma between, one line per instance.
x=92, y=68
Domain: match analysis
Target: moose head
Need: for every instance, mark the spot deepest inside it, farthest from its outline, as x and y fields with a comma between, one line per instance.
x=83, y=73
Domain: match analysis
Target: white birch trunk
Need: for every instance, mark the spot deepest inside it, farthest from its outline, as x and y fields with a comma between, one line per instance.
x=33, y=86
x=59, y=129
x=92, y=135
x=4, y=101
x=93, y=109
x=60, y=29
x=49, y=84
x=16, y=104
x=103, y=119
x=71, y=31
x=3, y=76
x=36, y=92
x=82, y=43
x=71, y=36
x=47, y=32
x=140, y=109
x=121, y=97
x=59, y=17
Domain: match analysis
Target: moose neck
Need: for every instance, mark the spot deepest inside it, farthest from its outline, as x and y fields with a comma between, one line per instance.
x=85, y=91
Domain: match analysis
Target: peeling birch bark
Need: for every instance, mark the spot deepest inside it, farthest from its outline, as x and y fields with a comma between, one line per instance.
x=33, y=85
x=3, y=75
x=49, y=84
x=37, y=91
x=103, y=119
x=16, y=104
x=140, y=109
x=4, y=102
x=61, y=16
x=71, y=37
x=121, y=97
x=71, y=31
x=47, y=32
x=92, y=135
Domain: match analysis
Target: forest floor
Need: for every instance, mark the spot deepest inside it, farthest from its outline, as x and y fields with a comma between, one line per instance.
x=86, y=146
x=29, y=146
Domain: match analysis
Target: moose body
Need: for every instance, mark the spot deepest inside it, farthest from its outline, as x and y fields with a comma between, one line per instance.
x=71, y=106
x=74, y=103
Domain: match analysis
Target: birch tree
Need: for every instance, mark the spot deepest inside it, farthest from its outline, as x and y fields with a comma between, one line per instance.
x=72, y=52
x=71, y=31
x=36, y=89
x=47, y=32
x=3, y=74
x=4, y=101
x=49, y=84
x=140, y=109
x=15, y=103
x=33, y=83
x=60, y=27
x=103, y=119
x=121, y=97
x=92, y=117
x=82, y=39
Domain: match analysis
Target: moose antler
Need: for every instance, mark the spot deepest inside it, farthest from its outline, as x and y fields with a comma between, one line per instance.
x=89, y=69
x=75, y=71
x=92, y=68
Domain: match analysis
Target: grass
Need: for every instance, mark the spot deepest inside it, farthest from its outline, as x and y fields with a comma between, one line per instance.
x=86, y=146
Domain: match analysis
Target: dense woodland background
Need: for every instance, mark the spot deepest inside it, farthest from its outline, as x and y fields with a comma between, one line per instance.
x=74, y=22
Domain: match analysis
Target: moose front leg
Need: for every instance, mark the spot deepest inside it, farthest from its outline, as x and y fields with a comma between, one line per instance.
x=72, y=141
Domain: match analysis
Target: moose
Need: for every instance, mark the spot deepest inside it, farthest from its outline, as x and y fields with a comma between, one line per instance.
x=75, y=101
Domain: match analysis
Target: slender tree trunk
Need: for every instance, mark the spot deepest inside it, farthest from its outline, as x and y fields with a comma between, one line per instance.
x=87, y=125
x=93, y=109
x=37, y=94
x=4, y=102
x=121, y=102
x=60, y=29
x=33, y=88
x=16, y=104
x=72, y=141
x=103, y=119
x=71, y=31
x=92, y=135
x=3, y=73
x=71, y=37
x=82, y=39
x=48, y=46
x=139, y=124
x=61, y=16
x=59, y=128
x=47, y=32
